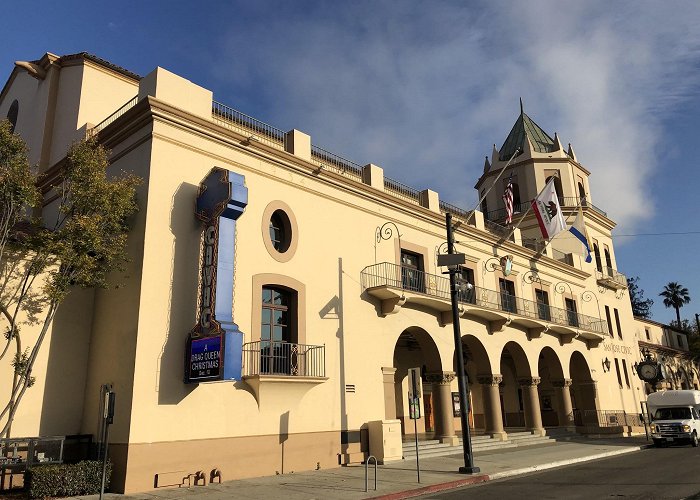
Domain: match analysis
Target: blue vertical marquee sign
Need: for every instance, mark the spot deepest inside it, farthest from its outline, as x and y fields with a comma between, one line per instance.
x=214, y=345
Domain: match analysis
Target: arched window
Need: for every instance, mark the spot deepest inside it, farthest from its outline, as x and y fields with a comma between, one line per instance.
x=557, y=187
x=516, y=197
x=596, y=252
x=608, y=262
x=484, y=205
x=582, y=195
x=278, y=330
x=12, y=114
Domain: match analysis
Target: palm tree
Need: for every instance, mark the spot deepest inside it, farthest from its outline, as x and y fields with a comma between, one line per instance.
x=675, y=295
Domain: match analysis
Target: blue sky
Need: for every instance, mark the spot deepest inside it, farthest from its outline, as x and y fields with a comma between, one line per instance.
x=424, y=89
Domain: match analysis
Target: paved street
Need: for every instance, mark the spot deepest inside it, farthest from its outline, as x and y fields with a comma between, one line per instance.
x=652, y=473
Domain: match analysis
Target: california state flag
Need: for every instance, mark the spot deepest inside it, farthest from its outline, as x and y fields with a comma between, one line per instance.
x=548, y=212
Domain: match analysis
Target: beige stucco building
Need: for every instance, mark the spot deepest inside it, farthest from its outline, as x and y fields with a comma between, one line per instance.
x=336, y=290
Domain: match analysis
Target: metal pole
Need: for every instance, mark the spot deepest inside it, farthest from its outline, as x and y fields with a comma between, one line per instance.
x=469, y=467
x=104, y=462
x=415, y=431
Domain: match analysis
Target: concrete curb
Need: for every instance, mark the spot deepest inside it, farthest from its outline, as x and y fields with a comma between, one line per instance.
x=433, y=488
x=450, y=485
x=559, y=463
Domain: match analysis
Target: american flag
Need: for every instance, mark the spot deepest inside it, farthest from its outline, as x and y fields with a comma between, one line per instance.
x=508, y=200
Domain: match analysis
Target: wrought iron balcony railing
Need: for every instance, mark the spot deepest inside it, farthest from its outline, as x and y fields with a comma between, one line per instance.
x=390, y=275
x=341, y=165
x=232, y=118
x=607, y=418
x=611, y=275
x=498, y=230
x=466, y=215
x=123, y=109
x=266, y=357
x=522, y=207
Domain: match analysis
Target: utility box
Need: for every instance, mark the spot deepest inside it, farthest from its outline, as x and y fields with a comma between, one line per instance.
x=385, y=440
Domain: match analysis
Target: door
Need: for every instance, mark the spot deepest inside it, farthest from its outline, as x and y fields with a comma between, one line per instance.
x=543, y=305
x=429, y=419
x=412, y=271
x=571, y=312
x=507, y=295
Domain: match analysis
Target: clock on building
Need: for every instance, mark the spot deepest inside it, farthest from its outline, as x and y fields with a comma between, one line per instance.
x=648, y=371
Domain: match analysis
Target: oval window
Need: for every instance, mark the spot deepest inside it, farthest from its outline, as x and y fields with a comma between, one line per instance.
x=280, y=231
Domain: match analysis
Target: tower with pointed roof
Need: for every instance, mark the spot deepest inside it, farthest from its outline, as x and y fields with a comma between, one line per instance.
x=536, y=158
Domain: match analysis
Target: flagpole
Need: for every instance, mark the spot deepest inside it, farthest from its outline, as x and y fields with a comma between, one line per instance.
x=478, y=203
x=516, y=226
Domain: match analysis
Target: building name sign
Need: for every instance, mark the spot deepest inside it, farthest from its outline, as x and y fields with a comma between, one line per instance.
x=208, y=278
x=214, y=345
x=618, y=348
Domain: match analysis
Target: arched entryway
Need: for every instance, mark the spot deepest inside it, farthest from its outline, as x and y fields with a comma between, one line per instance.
x=584, y=394
x=415, y=348
x=478, y=372
x=555, y=394
x=520, y=395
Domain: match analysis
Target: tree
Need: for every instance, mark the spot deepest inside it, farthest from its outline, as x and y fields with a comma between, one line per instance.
x=82, y=247
x=640, y=306
x=684, y=326
x=675, y=295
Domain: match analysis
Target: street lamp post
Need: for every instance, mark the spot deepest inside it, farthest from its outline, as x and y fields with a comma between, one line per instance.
x=469, y=467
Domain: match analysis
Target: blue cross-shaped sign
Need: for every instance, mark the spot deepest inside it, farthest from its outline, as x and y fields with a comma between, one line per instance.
x=221, y=200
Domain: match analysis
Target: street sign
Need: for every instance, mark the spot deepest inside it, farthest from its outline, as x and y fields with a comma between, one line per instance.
x=451, y=259
x=415, y=388
x=414, y=408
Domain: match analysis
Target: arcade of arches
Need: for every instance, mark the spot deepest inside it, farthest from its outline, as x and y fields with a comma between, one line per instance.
x=505, y=392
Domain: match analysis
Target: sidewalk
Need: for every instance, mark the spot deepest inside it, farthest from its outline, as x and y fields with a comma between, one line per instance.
x=399, y=479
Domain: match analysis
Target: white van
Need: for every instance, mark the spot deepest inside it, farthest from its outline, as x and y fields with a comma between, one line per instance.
x=675, y=417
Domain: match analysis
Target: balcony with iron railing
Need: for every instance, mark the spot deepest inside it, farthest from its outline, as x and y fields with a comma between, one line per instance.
x=284, y=359
x=522, y=207
x=610, y=278
x=395, y=286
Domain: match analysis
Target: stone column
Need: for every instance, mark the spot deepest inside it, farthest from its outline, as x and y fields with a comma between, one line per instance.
x=493, y=417
x=531, y=400
x=442, y=405
x=565, y=410
x=388, y=373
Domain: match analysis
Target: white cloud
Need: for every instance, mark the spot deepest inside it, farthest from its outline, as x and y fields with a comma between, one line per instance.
x=425, y=89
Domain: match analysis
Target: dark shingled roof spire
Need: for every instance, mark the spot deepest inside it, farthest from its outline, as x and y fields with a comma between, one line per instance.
x=523, y=129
